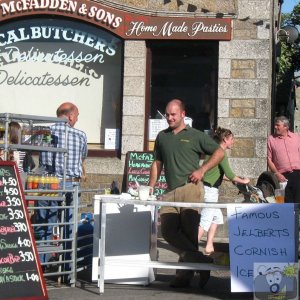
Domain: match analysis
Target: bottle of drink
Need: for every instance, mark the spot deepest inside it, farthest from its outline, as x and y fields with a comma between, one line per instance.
x=29, y=182
x=54, y=184
x=48, y=183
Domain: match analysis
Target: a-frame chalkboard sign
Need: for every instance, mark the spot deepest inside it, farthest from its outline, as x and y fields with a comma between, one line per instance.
x=138, y=166
x=21, y=275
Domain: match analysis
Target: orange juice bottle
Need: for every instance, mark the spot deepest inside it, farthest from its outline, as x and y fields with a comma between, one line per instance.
x=55, y=184
x=35, y=182
x=29, y=182
x=48, y=183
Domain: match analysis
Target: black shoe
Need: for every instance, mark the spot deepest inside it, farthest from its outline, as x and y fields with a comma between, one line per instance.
x=195, y=257
x=182, y=279
x=204, y=277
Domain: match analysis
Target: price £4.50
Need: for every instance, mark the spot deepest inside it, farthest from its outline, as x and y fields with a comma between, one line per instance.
x=11, y=191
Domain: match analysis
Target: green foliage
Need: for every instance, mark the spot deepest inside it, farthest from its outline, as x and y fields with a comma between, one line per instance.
x=289, y=60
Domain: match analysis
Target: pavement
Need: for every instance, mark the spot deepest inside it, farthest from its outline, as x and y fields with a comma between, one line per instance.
x=218, y=287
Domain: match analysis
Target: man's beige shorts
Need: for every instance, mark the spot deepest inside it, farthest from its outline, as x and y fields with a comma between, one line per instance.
x=190, y=192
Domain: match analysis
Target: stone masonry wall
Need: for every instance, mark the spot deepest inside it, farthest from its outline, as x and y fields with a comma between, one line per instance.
x=244, y=96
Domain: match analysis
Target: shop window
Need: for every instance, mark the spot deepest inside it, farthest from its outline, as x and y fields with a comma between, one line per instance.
x=186, y=70
x=44, y=62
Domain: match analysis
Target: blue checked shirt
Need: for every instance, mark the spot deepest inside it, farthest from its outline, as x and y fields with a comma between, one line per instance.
x=77, y=152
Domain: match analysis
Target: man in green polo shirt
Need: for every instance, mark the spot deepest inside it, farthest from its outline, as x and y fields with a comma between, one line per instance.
x=178, y=150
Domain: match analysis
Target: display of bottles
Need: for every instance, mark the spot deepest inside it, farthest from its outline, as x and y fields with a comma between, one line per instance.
x=42, y=182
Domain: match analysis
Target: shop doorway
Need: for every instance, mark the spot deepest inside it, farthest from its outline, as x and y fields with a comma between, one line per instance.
x=187, y=70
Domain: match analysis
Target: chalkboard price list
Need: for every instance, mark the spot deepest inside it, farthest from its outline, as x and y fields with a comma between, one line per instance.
x=20, y=274
x=138, y=171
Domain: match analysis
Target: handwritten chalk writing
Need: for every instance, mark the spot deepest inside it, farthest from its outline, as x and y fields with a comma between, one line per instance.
x=33, y=277
x=6, y=270
x=141, y=156
x=162, y=180
x=20, y=227
x=9, y=181
x=4, y=172
x=5, y=245
x=139, y=171
x=26, y=256
x=3, y=217
x=255, y=215
x=24, y=242
x=10, y=259
x=135, y=164
x=14, y=201
x=12, y=278
x=240, y=250
x=11, y=191
x=15, y=214
x=138, y=178
x=4, y=230
x=159, y=191
x=256, y=232
x=241, y=272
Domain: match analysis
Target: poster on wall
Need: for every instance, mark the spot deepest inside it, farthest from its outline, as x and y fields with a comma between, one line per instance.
x=46, y=62
x=258, y=233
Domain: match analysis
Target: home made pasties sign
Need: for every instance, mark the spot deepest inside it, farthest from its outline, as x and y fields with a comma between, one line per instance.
x=124, y=24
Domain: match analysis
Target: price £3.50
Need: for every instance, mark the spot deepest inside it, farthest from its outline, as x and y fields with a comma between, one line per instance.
x=26, y=256
x=15, y=214
x=14, y=201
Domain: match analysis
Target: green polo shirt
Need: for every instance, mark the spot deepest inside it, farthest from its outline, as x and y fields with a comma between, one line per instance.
x=215, y=175
x=180, y=153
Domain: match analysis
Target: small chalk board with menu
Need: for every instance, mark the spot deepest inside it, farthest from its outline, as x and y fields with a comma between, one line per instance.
x=21, y=275
x=138, y=166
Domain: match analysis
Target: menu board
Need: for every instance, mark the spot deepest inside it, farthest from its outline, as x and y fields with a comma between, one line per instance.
x=138, y=165
x=259, y=233
x=20, y=271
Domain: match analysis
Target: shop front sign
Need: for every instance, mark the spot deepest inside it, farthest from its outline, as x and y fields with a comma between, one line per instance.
x=124, y=24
